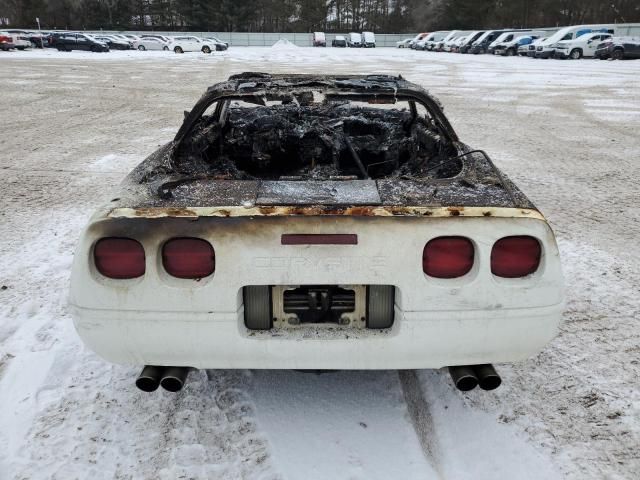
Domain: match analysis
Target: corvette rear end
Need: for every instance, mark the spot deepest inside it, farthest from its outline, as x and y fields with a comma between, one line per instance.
x=307, y=222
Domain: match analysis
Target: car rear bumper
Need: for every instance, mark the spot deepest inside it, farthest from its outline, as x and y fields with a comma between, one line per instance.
x=220, y=340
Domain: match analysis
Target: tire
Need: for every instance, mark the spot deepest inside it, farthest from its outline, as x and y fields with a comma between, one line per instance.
x=380, y=306
x=617, y=54
x=257, y=307
x=178, y=50
x=576, y=54
x=510, y=52
x=141, y=48
x=165, y=48
x=206, y=49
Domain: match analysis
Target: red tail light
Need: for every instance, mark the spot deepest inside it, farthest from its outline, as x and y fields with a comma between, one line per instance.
x=119, y=257
x=513, y=257
x=188, y=258
x=448, y=257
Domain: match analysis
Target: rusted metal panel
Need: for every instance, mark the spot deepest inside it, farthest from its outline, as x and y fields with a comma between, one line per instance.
x=359, y=211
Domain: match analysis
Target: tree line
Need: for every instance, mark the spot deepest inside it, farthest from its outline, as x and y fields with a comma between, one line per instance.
x=381, y=16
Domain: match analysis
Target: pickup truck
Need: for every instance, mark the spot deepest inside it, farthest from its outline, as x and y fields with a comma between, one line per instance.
x=316, y=222
x=583, y=46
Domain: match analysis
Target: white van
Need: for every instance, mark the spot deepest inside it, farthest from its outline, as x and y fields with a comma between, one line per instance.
x=452, y=35
x=319, y=39
x=355, y=40
x=368, y=40
x=508, y=38
x=546, y=49
x=433, y=39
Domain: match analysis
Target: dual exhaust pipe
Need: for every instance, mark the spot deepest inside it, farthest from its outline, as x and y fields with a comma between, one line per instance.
x=172, y=379
x=468, y=377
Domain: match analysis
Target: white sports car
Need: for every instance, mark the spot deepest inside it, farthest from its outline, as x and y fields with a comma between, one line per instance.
x=314, y=222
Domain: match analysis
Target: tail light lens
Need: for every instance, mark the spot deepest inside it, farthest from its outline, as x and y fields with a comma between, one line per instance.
x=119, y=257
x=513, y=257
x=448, y=257
x=188, y=258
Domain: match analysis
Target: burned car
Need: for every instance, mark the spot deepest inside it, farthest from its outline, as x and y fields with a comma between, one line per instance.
x=314, y=222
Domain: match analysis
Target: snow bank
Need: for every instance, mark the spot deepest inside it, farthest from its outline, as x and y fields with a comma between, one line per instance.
x=284, y=44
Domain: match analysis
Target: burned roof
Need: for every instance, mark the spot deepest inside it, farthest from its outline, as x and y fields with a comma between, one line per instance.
x=323, y=141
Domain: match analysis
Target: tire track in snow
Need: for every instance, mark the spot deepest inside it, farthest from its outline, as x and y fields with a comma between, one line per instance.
x=340, y=425
x=420, y=417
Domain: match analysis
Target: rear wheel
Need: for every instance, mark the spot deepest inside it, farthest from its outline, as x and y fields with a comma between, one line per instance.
x=257, y=307
x=178, y=50
x=510, y=52
x=575, y=54
x=380, y=306
x=617, y=54
x=206, y=49
x=141, y=48
x=165, y=48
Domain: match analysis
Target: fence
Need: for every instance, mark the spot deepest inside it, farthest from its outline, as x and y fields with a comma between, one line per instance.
x=243, y=39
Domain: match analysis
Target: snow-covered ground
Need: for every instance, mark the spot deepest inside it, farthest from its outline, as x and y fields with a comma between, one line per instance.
x=566, y=131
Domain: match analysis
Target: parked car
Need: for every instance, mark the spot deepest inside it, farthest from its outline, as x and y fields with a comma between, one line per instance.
x=220, y=45
x=433, y=39
x=67, y=41
x=190, y=44
x=457, y=43
x=583, y=46
x=508, y=37
x=465, y=46
x=416, y=39
x=339, y=41
x=447, y=41
x=151, y=43
x=619, y=48
x=114, y=43
x=546, y=49
x=531, y=49
x=214, y=258
x=319, y=39
x=132, y=38
x=28, y=38
x=404, y=43
x=354, y=40
x=512, y=47
x=125, y=38
x=19, y=39
x=164, y=38
x=6, y=41
x=368, y=40
x=481, y=45
x=420, y=44
x=414, y=43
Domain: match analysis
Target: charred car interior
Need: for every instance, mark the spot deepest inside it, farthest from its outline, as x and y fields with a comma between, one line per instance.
x=381, y=140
